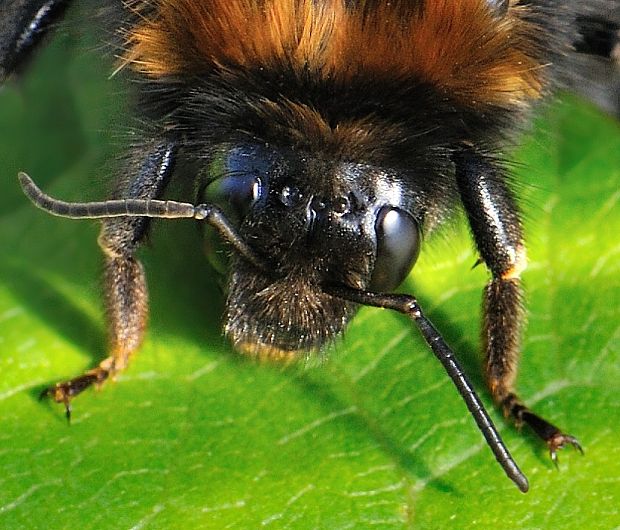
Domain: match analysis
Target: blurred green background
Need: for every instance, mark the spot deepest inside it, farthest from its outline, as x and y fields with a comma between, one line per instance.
x=373, y=436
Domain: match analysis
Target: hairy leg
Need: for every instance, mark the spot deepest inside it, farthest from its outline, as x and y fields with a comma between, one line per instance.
x=125, y=287
x=496, y=226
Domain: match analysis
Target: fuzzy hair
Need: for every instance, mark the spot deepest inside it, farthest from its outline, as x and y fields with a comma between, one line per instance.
x=463, y=48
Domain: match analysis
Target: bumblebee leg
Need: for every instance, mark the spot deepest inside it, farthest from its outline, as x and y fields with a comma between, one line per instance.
x=124, y=281
x=23, y=25
x=496, y=226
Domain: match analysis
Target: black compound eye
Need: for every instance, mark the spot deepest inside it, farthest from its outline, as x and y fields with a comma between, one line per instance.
x=398, y=247
x=240, y=177
x=245, y=170
x=235, y=194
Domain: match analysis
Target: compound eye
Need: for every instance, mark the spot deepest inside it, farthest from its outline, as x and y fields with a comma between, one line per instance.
x=240, y=178
x=235, y=194
x=398, y=247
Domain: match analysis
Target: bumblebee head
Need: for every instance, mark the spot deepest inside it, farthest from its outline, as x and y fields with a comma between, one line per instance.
x=311, y=221
x=327, y=132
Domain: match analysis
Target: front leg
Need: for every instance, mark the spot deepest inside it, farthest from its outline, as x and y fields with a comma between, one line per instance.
x=496, y=226
x=124, y=281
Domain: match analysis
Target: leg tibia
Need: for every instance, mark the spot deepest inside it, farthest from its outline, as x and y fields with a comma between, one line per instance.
x=127, y=312
x=127, y=308
x=503, y=319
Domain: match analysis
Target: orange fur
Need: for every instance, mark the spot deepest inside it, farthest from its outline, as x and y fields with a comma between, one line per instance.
x=459, y=46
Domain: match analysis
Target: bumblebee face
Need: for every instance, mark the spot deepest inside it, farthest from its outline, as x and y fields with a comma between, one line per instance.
x=312, y=221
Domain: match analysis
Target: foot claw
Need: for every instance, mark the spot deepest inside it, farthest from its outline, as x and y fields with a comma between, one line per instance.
x=68, y=411
x=559, y=441
x=61, y=393
x=67, y=390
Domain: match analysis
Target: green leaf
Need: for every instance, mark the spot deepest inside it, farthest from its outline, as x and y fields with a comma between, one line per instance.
x=373, y=436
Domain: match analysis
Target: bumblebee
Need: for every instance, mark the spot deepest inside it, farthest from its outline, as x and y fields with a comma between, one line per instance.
x=327, y=139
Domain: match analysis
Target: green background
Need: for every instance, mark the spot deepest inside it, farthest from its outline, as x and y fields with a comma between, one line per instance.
x=372, y=436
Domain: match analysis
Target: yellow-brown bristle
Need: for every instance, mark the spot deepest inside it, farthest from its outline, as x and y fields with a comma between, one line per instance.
x=460, y=47
x=193, y=35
